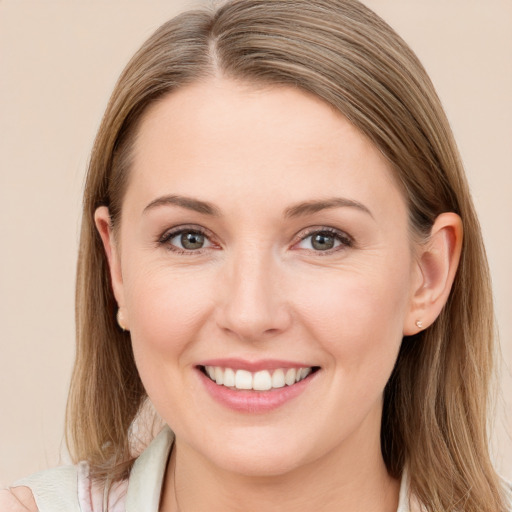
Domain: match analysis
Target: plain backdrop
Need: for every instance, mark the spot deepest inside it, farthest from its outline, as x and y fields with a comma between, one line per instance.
x=59, y=60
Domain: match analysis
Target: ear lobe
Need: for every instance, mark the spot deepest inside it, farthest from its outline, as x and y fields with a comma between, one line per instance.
x=104, y=227
x=437, y=262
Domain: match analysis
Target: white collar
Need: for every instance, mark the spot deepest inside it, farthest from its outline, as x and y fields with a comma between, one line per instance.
x=147, y=475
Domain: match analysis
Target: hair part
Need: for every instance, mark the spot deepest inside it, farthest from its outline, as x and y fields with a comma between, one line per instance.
x=435, y=403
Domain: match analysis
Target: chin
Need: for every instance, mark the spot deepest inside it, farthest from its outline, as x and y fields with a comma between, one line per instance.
x=258, y=454
x=261, y=464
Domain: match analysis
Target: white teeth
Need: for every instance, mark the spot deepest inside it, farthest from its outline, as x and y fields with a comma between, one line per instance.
x=243, y=379
x=278, y=379
x=219, y=375
x=289, y=378
x=229, y=378
x=263, y=380
x=302, y=374
x=210, y=370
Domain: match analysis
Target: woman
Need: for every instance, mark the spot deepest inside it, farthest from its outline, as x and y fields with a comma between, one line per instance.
x=279, y=250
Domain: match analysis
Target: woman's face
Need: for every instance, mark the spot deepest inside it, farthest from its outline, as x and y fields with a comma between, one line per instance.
x=261, y=233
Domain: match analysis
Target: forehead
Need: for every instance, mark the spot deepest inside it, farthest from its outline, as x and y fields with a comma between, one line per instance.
x=209, y=110
x=232, y=139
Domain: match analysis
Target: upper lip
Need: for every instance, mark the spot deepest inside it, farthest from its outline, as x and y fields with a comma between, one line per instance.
x=254, y=366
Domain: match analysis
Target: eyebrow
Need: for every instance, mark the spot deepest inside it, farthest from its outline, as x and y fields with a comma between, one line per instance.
x=298, y=210
x=310, y=207
x=184, y=202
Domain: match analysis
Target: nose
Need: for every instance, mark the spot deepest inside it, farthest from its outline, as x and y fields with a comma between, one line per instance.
x=253, y=305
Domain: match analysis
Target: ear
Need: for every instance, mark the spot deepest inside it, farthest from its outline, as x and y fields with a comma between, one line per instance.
x=104, y=226
x=437, y=262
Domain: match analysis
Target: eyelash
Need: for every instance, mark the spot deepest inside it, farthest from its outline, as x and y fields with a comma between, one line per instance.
x=166, y=238
x=345, y=240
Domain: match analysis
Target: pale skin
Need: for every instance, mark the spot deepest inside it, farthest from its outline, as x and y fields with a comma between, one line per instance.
x=260, y=286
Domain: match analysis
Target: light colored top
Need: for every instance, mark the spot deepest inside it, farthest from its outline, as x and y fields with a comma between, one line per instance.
x=69, y=488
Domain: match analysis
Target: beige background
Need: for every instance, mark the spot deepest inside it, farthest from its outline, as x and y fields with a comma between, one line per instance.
x=59, y=60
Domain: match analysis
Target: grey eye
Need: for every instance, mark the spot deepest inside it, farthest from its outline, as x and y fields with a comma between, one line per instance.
x=192, y=240
x=323, y=241
x=189, y=240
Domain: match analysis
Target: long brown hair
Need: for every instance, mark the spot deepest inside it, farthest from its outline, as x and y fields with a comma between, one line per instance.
x=436, y=401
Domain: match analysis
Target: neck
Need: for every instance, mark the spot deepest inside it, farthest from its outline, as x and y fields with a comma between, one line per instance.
x=342, y=480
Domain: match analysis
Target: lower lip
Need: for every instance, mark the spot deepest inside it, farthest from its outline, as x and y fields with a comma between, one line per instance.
x=251, y=401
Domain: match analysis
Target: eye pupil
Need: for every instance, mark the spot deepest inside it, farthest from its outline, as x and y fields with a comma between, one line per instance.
x=191, y=240
x=322, y=241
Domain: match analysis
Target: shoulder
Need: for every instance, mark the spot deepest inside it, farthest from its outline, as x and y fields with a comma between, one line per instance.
x=52, y=490
x=508, y=493
x=71, y=489
x=17, y=499
x=64, y=489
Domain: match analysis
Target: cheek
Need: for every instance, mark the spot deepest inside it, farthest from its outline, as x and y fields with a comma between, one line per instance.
x=358, y=316
x=167, y=309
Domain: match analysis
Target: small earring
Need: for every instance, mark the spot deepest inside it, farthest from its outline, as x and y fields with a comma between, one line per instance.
x=419, y=324
x=120, y=320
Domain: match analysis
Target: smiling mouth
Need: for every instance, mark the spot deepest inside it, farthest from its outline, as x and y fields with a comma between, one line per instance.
x=264, y=380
